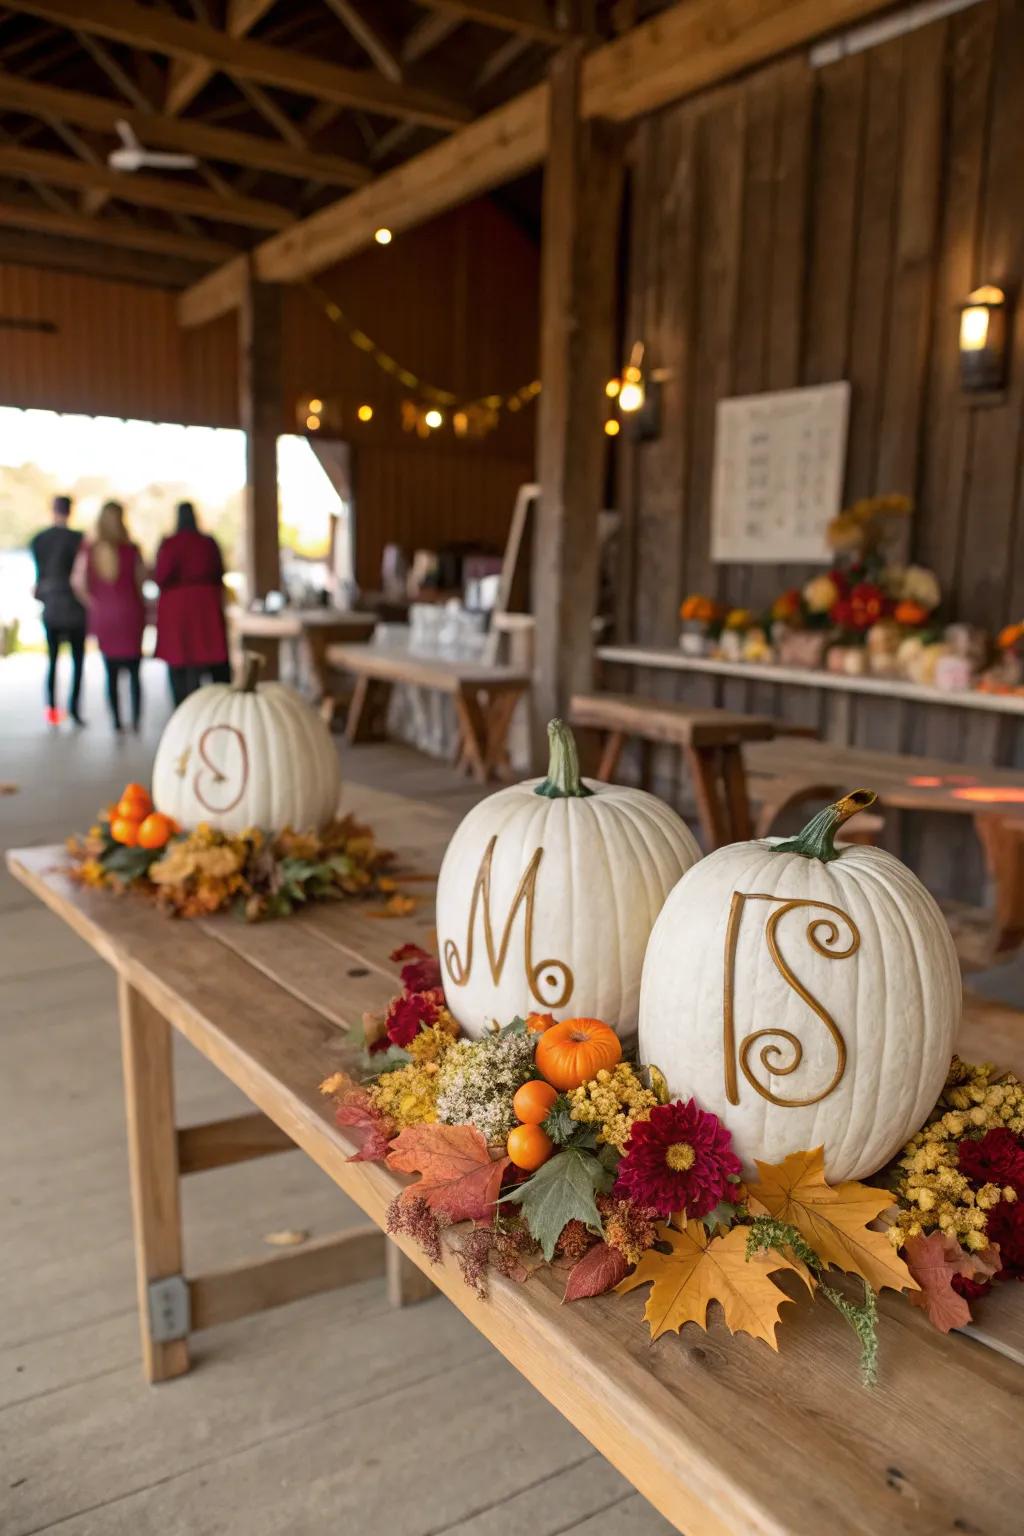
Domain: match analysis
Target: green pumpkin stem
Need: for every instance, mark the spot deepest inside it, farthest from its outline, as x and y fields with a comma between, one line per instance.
x=563, y=781
x=252, y=665
x=817, y=840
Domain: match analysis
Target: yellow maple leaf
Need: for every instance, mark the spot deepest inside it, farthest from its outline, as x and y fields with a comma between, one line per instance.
x=833, y=1221
x=701, y=1269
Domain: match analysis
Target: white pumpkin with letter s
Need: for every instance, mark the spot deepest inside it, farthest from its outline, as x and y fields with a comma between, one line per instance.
x=240, y=755
x=807, y=995
x=547, y=894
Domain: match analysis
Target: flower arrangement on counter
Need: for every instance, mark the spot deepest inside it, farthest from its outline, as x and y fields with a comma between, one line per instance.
x=256, y=874
x=540, y=1145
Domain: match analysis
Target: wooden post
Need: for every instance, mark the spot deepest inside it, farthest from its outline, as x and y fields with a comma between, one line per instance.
x=259, y=409
x=153, y=1164
x=582, y=200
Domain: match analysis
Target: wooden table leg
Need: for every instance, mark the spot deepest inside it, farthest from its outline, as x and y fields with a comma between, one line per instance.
x=473, y=729
x=153, y=1164
x=406, y=1282
x=736, y=799
x=500, y=709
x=609, y=764
x=712, y=821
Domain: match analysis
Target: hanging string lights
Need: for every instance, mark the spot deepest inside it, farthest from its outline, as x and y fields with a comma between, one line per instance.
x=426, y=408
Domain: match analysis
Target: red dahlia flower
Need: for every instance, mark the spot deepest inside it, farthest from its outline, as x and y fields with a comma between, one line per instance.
x=868, y=604
x=678, y=1159
x=995, y=1158
x=424, y=970
x=408, y=1015
x=1005, y=1226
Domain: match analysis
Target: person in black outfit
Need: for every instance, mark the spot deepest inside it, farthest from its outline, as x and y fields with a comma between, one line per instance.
x=54, y=550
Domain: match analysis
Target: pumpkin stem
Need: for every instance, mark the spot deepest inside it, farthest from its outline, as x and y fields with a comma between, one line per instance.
x=252, y=665
x=563, y=781
x=817, y=840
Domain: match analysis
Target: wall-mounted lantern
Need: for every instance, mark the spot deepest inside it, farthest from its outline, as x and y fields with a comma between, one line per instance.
x=983, y=340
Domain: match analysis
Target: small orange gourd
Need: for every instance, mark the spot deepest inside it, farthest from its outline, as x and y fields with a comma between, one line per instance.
x=574, y=1051
x=528, y=1146
x=533, y=1102
x=156, y=830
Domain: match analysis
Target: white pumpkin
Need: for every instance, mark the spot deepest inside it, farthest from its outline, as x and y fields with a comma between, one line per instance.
x=547, y=895
x=806, y=995
x=238, y=756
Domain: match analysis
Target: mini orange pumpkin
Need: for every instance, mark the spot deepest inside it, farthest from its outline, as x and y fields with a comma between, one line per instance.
x=156, y=830
x=125, y=830
x=537, y=1023
x=574, y=1051
x=533, y=1102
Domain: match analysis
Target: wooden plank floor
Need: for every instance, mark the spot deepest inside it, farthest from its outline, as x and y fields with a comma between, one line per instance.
x=335, y=1415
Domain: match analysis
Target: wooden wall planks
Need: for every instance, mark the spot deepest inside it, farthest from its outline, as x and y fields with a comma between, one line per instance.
x=837, y=218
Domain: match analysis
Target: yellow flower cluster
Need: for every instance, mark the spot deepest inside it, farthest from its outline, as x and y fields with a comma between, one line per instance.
x=926, y=1174
x=408, y=1096
x=612, y=1101
x=434, y=1042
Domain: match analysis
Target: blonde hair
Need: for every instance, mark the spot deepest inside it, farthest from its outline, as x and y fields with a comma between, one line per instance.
x=111, y=533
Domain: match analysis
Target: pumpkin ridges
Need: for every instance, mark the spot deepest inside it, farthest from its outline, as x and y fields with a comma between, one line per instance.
x=575, y=1051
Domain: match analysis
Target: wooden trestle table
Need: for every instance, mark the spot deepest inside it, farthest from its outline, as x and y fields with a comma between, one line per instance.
x=719, y=1433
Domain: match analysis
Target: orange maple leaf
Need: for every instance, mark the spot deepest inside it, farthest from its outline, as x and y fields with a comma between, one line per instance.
x=933, y=1261
x=833, y=1221
x=701, y=1269
x=459, y=1175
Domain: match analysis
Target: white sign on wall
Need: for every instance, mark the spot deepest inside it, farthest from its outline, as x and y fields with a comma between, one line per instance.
x=778, y=474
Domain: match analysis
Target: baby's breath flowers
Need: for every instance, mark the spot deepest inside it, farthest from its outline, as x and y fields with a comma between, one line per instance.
x=613, y=1102
x=477, y=1080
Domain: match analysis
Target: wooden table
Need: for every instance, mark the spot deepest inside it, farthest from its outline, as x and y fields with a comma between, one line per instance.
x=720, y=1434
x=314, y=628
x=484, y=696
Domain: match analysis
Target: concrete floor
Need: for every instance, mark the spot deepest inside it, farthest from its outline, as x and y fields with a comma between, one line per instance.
x=335, y=1415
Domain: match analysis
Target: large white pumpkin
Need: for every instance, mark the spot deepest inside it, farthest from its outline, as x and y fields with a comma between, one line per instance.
x=238, y=756
x=806, y=995
x=547, y=895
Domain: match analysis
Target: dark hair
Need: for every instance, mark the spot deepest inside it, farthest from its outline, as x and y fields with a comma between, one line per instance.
x=62, y=506
x=186, y=517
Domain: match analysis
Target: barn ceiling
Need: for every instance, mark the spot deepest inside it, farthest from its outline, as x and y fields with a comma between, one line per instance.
x=285, y=106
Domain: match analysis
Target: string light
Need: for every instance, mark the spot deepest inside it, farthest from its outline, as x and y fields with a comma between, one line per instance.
x=611, y=389
x=434, y=419
x=316, y=406
x=611, y=427
x=312, y=422
x=365, y=413
x=382, y=235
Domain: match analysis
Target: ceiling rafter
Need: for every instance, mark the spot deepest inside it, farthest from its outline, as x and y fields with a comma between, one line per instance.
x=188, y=76
x=531, y=18
x=155, y=31
x=152, y=191
x=119, y=78
x=428, y=33
x=369, y=36
x=271, y=113
x=187, y=135
x=113, y=232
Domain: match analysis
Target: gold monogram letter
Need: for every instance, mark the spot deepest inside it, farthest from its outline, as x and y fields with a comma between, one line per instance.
x=547, y=973
x=770, y=1055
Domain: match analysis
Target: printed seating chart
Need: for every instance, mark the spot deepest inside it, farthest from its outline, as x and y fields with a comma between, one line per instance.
x=778, y=473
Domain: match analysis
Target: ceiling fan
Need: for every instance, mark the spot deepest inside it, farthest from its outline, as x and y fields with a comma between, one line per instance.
x=132, y=157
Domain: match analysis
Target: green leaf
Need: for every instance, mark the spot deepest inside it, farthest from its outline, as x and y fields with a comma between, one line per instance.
x=516, y=1027
x=132, y=863
x=562, y=1190
x=560, y=1125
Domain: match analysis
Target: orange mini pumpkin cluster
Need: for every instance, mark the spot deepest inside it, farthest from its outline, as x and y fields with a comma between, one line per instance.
x=134, y=822
x=567, y=1055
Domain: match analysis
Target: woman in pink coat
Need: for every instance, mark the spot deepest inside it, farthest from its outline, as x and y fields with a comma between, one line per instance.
x=108, y=578
x=190, y=632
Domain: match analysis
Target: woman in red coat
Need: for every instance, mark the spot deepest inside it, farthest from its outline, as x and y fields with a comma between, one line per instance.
x=190, y=632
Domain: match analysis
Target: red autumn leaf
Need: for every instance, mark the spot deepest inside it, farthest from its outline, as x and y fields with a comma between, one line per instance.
x=933, y=1261
x=459, y=1175
x=600, y=1268
x=354, y=1113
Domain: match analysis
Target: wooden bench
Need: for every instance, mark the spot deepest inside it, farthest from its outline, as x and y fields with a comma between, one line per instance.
x=484, y=697
x=785, y=775
x=723, y=1436
x=710, y=741
x=315, y=629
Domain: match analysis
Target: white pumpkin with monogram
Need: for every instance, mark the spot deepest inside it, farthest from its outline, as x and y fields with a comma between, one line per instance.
x=247, y=755
x=808, y=995
x=547, y=895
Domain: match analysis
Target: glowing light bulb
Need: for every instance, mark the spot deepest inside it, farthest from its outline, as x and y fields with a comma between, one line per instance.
x=316, y=406
x=973, y=328
x=365, y=413
x=434, y=419
x=611, y=389
x=382, y=236
x=631, y=395
x=312, y=423
x=611, y=427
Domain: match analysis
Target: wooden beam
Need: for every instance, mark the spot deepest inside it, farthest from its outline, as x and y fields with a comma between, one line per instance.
x=428, y=33
x=188, y=76
x=118, y=77
x=583, y=184
x=130, y=237
x=531, y=18
x=219, y=1143
x=160, y=132
x=63, y=252
x=259, y=411
x=680, y=51
x=152, y=191
x=369, y=37
x=323, y=1264
x=157, y=31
